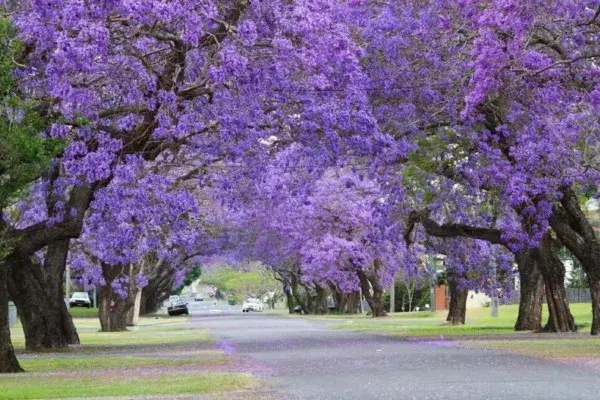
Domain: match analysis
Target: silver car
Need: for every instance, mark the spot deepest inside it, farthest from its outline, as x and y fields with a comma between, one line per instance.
x=252, y=304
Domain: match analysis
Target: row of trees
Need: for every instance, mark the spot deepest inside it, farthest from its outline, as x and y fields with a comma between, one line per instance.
x=338, y=143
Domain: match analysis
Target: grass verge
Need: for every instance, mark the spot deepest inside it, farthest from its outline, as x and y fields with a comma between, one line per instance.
x=479, y=323
x=61, y=386
x=86, y=363
x=550, y=348
x=164, y=332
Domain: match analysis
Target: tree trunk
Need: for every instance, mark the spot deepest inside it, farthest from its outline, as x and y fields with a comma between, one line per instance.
x=339, y=298
x=289, y=299
x=346, y=303
x=38, y=294
x=560, y=318
x=321, y=301
x=575, y=231
x=114, y=310
x=595, y=291
x=133, y=316
x=352, y=303
x=457, y=311
x=373, y=293
x=8, y=361
x=304, y=303
x=531, y=293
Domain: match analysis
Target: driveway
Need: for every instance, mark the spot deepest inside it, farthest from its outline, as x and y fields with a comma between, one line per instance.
x=303, y=359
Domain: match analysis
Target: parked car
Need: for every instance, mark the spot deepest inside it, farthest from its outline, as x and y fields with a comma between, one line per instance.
x=252, y=304
x=177, y=308
x=199, y=297
x=80, y=299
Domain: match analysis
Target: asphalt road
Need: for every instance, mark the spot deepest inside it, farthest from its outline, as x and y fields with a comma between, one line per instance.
x=303, y=359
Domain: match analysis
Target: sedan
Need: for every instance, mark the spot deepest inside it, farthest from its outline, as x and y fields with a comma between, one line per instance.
x=252, y=304
x=178, y=308
x=81, y=299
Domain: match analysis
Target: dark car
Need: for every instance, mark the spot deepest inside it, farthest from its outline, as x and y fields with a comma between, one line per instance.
x=178, y=308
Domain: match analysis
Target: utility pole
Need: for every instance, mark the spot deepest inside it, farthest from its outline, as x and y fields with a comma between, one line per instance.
x=494, y=305
x=432, y=283
x=393, y=296
x=68, y=287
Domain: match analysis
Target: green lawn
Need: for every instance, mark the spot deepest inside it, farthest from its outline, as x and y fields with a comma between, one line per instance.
x=48, y=363
x=162, y=357
x=150, y=331
x=81, y=312
x=551, y=348
x=479, y=322
x=96, y=385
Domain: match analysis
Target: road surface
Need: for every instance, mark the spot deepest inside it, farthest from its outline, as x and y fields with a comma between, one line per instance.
x=303, y=359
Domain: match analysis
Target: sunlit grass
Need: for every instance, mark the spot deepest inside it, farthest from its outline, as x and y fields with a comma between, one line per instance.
x=151, y=330
x=138, y=337
x=478, y=322
x=551, y=348
x=47, y=363
x=84, y=386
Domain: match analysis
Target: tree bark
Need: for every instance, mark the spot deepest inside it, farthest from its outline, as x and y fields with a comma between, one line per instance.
x=531, y=293
x=373, y=292
x=113, y=318
x=289, y=300
x=158, y=290
x=114, y=310
x=133, y=316
x=352, y=303
x=457, y=310
x=8, y=361
x=560, y=318
x=38, y=294
x=302, y=301
x=577, y=234
x=320, y=306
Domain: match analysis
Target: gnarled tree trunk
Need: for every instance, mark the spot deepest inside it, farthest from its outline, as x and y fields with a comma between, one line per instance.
x=372, y=291
x=38, y=294
x=114, y=310
x=532, y=293
x=8, y=361
x=346, y=303
x=457, y=310
x=560, y=318
x=320, y=300
x=289, y=299
x=577, y=234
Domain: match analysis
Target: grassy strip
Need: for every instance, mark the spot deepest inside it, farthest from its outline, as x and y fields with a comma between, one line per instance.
x=551, y=348
x=79, y=363
x=59, y=386
x=479, y=322
x=145, y=335
x=82, y=312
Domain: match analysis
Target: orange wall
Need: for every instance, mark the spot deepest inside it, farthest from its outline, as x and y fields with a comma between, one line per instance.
x=441, y=302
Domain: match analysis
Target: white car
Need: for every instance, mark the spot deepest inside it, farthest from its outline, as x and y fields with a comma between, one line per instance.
x=252, y=304
x=80, y=299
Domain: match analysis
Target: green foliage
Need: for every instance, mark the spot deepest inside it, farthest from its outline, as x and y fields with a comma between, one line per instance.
x=240, y=284
x=578, y=278
x=193, y=275
x=24, y=153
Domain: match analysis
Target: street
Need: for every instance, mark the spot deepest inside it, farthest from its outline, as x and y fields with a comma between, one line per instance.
x=303, y=359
